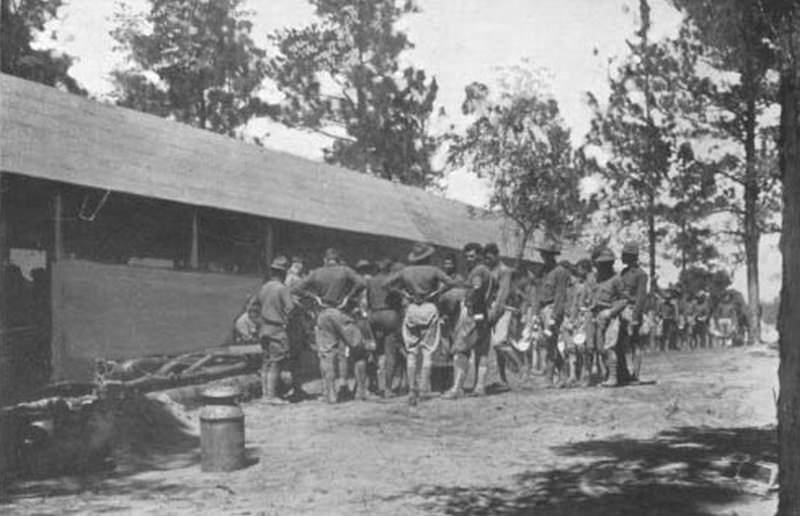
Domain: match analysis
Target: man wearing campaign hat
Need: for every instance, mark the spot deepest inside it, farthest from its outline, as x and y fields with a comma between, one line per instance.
x=422, y=283
x=333, y=286
x=634, y=284
x=276, y=304
x=608, y=300
x=551, y=307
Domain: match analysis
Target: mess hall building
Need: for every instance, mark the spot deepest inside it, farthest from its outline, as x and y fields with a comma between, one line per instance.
x=125, y=235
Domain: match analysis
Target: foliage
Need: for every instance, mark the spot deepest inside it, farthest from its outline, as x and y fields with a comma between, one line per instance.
x=344, y=72
x=519, y=142
x=191, y=61
x=21, y=21
x=646, y=119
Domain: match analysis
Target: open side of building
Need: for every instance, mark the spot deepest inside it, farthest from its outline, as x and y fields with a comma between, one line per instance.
x=131, y=235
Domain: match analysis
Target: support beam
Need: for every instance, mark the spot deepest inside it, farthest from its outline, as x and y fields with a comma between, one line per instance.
x=56, y=300
x=58, y=226
x=6, y=380
x=269, y=243
x=194, y=255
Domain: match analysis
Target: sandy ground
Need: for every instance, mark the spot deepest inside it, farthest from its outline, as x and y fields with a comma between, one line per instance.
x=662, y=449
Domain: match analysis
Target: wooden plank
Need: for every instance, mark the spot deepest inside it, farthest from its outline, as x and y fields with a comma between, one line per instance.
x=6, y=380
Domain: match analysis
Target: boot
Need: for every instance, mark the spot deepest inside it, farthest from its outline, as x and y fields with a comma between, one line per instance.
x=549, y=371
x=572, y=369
x=480, y=380
x=411, y=371
x=360, y=371
x=612, y=370
x=328, y=380
x=425, y=381
x=459, y=375
x=273, y=376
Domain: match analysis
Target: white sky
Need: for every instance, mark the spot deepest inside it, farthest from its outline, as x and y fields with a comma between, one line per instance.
x=457, y=41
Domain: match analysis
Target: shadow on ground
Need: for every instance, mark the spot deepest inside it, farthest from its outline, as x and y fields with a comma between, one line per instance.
x=142, y=434
x=679, y=472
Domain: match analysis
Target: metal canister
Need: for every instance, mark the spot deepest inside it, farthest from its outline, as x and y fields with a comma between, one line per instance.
x=222, y=438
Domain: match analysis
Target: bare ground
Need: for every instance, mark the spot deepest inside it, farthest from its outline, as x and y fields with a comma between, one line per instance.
x=653, y=449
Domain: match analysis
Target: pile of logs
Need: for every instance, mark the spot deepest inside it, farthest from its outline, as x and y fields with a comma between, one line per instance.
x=157, y=373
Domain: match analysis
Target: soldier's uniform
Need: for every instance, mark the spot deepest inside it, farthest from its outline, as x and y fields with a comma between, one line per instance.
x=420, y=328
x=472, y=332
x=634, y=284
x=277, y=304
x=576, y=326
x=552, y=306
x=385, y=317
x=336, y=330
x=608, y=300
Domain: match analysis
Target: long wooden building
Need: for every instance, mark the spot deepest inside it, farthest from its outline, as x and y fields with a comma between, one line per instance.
x=124, y=234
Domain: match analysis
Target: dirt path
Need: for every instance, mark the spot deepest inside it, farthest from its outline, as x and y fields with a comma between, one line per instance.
x=655, y=449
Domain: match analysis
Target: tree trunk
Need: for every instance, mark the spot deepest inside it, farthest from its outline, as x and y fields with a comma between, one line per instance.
x=752, y=234
x=651, y=233
x=522, y=245
x=788, y=320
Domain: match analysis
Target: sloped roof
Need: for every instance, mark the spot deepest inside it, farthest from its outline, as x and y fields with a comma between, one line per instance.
x=54, y=135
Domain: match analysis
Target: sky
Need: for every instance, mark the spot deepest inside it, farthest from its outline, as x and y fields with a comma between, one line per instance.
x=457, y=42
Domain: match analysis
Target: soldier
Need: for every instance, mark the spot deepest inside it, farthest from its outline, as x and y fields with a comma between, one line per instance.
x=247, y=325
x=457, y=335
x=333, y=286
x=473, y=336
x=668, y=310
x=552, y=305
x=579, y=356
x=608, y=301
x=276, y=306
x=385, y=318
x=502, y=312
x=702, y=315
x=422, y=284
x=449, y=264
x=634, y=284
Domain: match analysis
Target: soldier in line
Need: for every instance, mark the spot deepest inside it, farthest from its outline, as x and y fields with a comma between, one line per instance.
x=479, y=280
x=608, y=301
x=422, y=284
x=668, y=313
x=449, y=266
x=702, y=315
x=333, y=286
x=579, y=358
x=552, y=305
x=385, y=318
x=503, y=311
x=634, y=284
x=276, y=304
x=458, y=335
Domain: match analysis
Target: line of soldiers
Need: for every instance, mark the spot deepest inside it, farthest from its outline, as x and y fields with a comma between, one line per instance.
x=585, y=325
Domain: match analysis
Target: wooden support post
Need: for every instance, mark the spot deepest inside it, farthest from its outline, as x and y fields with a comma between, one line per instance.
x=194, y=256
x=6, y=380
x=269, y=243
x=57, y=343
x=58, y=226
